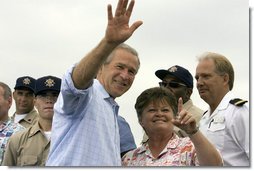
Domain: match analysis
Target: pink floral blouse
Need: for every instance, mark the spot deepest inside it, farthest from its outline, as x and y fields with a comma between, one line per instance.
x=178, y=152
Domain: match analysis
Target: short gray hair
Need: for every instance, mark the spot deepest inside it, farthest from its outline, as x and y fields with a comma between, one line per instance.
x=7, y=91
x=124, y=47
x=222, y=65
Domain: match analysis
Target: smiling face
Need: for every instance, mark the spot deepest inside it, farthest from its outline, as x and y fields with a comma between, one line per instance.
x=118, y=75
x=24, y=100
x=156, y=118
x=155, y=108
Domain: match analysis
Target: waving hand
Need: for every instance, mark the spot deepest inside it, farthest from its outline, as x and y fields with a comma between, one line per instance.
x=118, y=29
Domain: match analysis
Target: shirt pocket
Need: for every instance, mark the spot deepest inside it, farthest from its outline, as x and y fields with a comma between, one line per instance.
x=216, y=132
x=217, y=127
x=28, y=160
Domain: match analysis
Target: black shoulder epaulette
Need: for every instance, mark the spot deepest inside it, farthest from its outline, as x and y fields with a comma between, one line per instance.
x=238, y=102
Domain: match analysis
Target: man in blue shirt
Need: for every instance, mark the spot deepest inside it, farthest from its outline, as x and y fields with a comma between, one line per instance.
x=85, y=131
x=127, y=141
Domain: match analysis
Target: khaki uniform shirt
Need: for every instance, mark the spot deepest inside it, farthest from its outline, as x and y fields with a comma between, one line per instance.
x=29, y=120
x=27, y=148
x=189, y=107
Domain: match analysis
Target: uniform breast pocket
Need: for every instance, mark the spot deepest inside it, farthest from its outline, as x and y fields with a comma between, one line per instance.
x=216, y=126
x=216, y=133
x=28, y=160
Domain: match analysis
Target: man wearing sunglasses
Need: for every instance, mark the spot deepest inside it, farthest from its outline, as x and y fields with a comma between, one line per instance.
x=180, y=82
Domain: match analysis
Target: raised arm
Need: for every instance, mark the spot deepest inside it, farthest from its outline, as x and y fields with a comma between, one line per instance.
x=118, y=31
x=206, y=152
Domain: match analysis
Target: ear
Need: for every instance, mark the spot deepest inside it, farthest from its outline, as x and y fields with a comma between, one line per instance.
x=189, y=93
x=226, y=78
x=14, y=94
x=9, y=102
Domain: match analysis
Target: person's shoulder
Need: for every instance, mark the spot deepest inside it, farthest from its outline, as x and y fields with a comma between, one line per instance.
x=238, y=102
x=34, y=112
x=22, y=132
x=135, y=152
x=31, y=117
x=12, y=126
x=17, y=136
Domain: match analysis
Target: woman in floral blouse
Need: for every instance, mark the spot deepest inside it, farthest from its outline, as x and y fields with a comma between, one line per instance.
x=157, y=114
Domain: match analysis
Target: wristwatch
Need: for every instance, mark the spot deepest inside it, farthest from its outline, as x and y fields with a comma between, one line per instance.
x=194, y=131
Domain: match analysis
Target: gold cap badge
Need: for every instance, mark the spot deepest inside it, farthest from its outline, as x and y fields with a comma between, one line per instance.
x=172, y=69
x=26, y=81
x=49, y=83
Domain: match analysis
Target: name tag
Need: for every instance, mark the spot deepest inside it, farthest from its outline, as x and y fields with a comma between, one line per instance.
x=220, y=119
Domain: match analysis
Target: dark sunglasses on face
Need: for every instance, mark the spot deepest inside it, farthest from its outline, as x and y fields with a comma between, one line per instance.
x=171, y=84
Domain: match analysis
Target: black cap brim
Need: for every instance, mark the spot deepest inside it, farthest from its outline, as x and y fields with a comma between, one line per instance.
x=161, y=74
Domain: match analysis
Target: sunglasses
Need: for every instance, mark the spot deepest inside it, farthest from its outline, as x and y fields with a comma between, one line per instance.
x=171, y=84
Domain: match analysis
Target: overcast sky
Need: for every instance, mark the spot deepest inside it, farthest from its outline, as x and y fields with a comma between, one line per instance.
x=45, y=37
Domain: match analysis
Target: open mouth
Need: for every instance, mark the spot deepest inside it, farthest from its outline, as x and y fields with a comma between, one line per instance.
x=121, y=84
x=159, y=120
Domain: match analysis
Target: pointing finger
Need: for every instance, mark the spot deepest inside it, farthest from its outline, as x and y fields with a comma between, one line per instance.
x=180, y=105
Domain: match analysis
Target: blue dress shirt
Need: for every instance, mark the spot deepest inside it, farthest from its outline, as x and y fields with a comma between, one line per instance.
x=85, y=130
x=127, y=141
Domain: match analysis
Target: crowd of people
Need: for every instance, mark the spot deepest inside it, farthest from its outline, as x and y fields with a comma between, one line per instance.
x=74, y=120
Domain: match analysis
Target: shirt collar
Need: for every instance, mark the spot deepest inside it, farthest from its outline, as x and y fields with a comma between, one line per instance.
x=172, y=143
x=104, y=92
x=29, y=116
x=225, y=101
x=34, y=129
x=101, y=89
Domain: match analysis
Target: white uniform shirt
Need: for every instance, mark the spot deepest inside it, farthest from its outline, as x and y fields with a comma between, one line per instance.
x=228, y=129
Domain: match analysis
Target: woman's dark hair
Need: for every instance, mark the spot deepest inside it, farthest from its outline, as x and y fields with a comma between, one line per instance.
x=156, y=95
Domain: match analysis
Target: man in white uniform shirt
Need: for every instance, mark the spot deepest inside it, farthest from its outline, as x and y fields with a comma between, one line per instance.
x=226, y=123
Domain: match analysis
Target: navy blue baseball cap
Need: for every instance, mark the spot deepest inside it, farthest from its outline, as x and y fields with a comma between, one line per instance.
x=47, y=83
x=25, y=82
x=179, y=72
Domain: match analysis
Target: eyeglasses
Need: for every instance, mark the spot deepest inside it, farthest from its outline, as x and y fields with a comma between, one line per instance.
x=171, y=84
